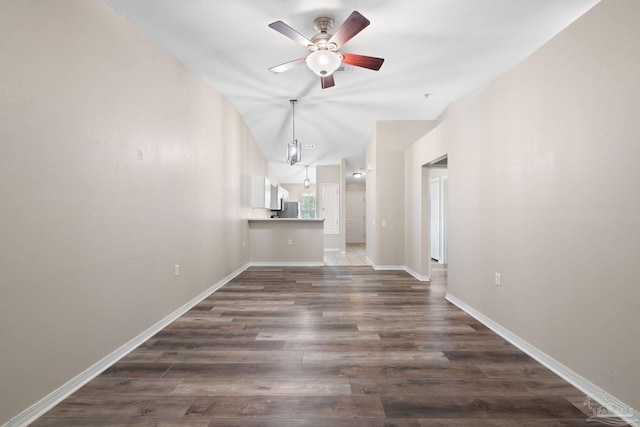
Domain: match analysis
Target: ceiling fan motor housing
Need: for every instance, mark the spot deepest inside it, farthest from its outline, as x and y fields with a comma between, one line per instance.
x=323, y=23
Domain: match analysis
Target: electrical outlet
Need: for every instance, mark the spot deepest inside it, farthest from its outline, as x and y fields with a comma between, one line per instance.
x=498, y=279
x=384, y=222
x=244, y=244
x=176, y=270
x=290, y=242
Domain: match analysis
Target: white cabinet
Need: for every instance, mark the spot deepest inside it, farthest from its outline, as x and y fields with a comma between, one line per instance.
x=260, y=192
x=275, y=200
x=278, y=195
x=283, y=194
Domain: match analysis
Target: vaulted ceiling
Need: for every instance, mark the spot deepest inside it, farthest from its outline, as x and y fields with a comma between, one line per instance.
x=440, y=48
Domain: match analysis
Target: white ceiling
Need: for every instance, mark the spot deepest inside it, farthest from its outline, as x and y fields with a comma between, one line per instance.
x=445, y=48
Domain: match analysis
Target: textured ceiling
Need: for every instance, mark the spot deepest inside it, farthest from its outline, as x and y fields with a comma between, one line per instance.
x=445, y=48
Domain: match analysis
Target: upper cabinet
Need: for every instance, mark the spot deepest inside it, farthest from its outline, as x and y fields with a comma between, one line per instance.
x=283, y=194
x=267, y=196
x=260, y=192
x=276, y=203
x=278, y=196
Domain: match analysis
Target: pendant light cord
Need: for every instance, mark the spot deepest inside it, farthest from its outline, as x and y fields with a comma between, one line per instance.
x=293, y=118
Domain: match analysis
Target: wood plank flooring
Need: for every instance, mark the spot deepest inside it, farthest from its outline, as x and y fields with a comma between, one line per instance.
x=324, y=346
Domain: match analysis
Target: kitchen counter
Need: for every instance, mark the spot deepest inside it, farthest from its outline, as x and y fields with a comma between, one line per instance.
x=286, y=241
x=288, y=219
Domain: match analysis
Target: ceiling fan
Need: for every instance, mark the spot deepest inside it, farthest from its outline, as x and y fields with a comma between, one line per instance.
x=325, y=58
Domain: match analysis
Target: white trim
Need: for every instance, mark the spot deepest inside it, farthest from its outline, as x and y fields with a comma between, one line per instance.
x=415, y=274
x=587, y=387
x=287, y=264
x=387, y=267
x=49, y=401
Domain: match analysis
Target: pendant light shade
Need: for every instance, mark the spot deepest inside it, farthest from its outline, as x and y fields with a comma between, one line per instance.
x=294, y=154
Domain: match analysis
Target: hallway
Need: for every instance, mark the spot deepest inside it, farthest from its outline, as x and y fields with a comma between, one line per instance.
x=355, y=255
x=324, y=346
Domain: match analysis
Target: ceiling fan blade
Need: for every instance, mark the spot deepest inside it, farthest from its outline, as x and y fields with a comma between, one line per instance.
x=287, y=65
x=287, y=31
x=369, y=62
x=349, y=28
x=327, y=81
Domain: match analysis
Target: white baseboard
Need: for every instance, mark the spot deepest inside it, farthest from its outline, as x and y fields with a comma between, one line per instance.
x=287, y=264
x=52, y=399
x=387, y=267
x=420, y=277
x=591, y=391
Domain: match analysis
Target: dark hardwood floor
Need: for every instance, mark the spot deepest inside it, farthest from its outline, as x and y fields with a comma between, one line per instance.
x=324, y=346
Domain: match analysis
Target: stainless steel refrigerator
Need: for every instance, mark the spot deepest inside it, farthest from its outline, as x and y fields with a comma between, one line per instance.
x=290, y=210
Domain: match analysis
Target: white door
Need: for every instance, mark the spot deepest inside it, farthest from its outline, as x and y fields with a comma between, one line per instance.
x=443, y=220
x=434, y=207
x=330, y=208
x=355, y=216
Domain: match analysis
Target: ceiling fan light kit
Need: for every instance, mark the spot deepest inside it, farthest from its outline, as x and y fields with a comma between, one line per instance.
x=324, y=62
x=324, y=58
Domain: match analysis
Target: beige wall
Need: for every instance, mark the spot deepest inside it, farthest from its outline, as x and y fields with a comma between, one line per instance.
x=361, y=186
x=269, y=242
x=385, y=186
x=297, y=190
x=544, y=187
x=370, y=197
x=330, y=175
x=416, y=198
x=116, y=163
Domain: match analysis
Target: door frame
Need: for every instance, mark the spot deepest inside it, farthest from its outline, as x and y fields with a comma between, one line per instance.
x=437, y=215
x=426, y=214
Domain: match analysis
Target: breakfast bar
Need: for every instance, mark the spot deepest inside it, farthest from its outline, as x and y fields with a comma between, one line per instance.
x=286, y=241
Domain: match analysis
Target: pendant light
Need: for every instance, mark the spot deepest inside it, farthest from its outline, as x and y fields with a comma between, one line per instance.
x=293, y=149
x=307, y=183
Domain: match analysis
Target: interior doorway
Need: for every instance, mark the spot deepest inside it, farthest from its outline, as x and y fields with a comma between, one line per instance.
x=434, y=218
x=435, y=200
